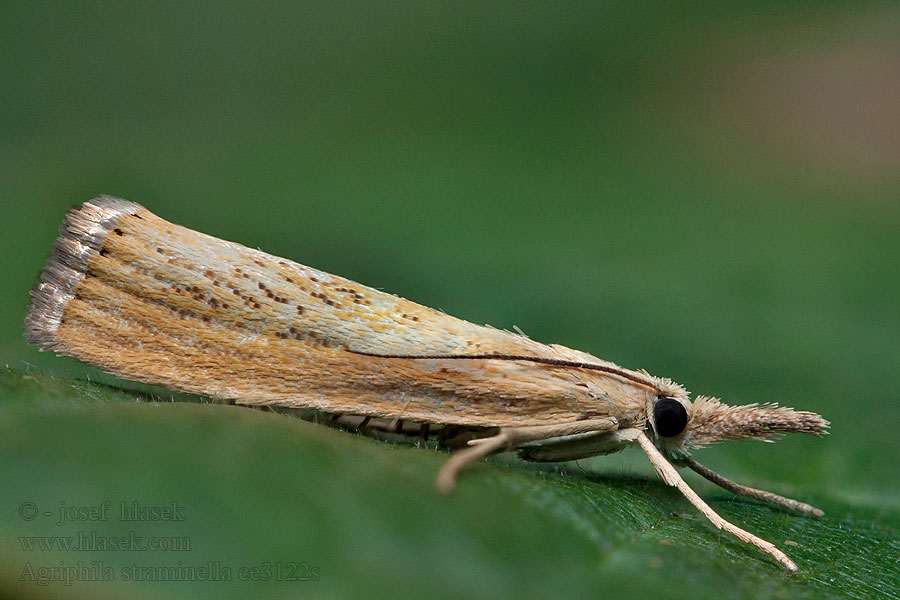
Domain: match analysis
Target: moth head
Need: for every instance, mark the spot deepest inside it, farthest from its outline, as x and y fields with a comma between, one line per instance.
x=680, y=425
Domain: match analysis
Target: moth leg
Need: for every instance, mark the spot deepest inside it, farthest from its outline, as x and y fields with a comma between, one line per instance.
x=577, y=446
x=507, y=439
x=351, y=422
x=446, y=477
x=668, y=474
x=742, y=490
x=544, y=432
x=423, y=435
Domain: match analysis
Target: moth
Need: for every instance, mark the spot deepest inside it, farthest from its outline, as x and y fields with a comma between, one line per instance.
x=154, y=302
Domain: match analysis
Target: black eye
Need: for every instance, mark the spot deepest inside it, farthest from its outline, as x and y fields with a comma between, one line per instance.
x=670, y=417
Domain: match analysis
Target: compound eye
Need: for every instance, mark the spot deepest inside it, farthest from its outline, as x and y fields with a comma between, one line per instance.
x=670, y=417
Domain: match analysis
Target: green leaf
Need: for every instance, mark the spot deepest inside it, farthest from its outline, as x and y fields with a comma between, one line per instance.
x=256, y=494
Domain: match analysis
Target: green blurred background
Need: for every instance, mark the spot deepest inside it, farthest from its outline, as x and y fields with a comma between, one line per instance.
x=705, y=191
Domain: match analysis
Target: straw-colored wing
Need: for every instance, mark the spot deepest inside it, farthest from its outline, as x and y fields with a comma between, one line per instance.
x=158, y=303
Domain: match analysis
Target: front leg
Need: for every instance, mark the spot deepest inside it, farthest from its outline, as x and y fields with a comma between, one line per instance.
x=743, y=490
